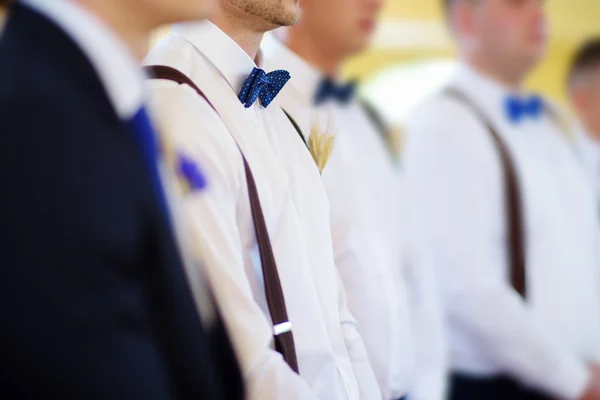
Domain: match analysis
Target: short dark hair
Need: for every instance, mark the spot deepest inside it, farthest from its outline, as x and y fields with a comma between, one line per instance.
x=586, y=58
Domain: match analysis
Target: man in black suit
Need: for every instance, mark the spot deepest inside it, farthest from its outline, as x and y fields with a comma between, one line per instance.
x=94, y=298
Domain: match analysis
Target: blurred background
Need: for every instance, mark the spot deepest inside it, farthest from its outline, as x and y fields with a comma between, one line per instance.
x=412, y=52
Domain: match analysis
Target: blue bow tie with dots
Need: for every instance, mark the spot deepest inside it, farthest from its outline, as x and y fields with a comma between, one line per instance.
x=331, y=90
x=263, y=86
x=519, y=108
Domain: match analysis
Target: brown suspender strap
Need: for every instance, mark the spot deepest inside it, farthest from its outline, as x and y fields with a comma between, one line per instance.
x=296, y=126
x=375, y=118
x=381, y=127
x=282, y=329
x=513, y=199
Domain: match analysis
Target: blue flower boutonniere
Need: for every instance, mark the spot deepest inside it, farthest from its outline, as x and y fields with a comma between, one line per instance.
x=189, y=174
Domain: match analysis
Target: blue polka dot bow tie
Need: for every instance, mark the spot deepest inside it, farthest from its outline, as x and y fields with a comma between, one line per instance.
x=517, y=108
x=331, y=90
x=263, y=86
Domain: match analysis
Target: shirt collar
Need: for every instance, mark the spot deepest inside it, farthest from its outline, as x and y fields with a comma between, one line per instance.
x=305, y=78
x=223, y=52
x=116, y=66
x=485, y=91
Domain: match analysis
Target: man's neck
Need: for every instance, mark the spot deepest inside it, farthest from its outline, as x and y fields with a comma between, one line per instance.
x=246, y=31
x=511, y=79
x=314, y=52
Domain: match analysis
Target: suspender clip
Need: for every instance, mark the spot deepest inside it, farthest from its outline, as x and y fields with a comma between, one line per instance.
x=282, y=328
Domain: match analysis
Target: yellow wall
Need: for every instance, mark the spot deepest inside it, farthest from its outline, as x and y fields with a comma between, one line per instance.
x=571, y=21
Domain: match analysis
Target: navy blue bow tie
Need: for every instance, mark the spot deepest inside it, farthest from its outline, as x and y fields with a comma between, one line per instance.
x=263, y=86
x=331, y=90
x=518, y=108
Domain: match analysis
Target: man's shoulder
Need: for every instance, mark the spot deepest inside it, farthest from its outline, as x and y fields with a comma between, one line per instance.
x=193, y=127
x=31, y=80
x=440, y=114
x=30, y=110
x=46, y=118
x=174, y=51
x=29, y=101
x=444, y=128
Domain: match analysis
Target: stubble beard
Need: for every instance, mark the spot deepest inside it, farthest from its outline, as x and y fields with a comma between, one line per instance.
x=273, y=12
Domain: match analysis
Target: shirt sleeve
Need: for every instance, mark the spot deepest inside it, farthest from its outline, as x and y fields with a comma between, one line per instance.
x=213, y=220
x=452, y=174
x=367, y=383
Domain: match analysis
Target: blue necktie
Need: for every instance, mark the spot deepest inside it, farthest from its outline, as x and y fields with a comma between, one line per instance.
x=146, y=136
x=330, y=90
x=519, y=108
x=263, y=86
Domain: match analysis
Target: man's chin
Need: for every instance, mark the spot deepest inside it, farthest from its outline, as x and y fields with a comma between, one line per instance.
x=293, y=15
x=284, y=21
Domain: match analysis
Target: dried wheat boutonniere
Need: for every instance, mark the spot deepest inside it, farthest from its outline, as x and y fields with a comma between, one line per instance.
x=320, y=143
x=395, y=140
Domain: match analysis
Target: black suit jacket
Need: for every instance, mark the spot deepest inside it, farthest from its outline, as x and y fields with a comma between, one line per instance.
x=94, y=302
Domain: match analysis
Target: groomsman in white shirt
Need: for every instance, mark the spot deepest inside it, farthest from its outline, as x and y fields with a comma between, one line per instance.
x=584, y=93
x=507, y=211
x=394, y=303
x=222, y=60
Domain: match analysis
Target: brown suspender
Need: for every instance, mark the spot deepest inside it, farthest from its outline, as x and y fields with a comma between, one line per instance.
x=282, y=330
x=379, y=124
x=513, y=199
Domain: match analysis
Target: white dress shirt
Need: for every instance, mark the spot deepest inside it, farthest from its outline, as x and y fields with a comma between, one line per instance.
x=363, y=184
x=590, y=149
x=332, y=358
x=455, y=185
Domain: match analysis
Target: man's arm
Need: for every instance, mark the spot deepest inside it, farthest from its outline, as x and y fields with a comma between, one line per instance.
x=365, y=377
